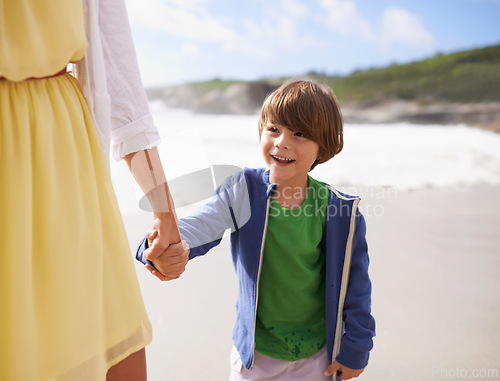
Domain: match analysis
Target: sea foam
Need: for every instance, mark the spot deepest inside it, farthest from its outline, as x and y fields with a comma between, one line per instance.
x=400, y=156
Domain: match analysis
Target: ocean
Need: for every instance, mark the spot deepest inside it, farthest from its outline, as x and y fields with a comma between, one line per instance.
x=401, y=156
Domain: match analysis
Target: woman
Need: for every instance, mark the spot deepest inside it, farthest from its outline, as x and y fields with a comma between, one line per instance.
x=70, y=300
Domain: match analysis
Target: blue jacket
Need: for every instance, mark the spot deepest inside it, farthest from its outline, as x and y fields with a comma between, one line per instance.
x=242, y=204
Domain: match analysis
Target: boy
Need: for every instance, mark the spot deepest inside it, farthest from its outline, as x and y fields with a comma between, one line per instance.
x=298, y=247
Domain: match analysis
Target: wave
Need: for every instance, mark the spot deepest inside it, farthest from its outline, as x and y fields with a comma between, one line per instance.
x=400, y=156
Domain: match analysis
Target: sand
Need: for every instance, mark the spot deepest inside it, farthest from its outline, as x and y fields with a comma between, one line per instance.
x=435, y=256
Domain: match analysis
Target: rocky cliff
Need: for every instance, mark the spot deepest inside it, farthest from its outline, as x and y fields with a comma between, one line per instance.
x=247, y=98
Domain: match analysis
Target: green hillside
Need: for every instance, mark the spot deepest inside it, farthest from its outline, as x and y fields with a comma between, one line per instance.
x=466, y=76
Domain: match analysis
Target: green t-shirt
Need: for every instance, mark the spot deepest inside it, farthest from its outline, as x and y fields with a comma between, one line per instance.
x=291, y=307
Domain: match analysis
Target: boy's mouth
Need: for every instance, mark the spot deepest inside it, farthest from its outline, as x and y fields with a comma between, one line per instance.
x=282, y=160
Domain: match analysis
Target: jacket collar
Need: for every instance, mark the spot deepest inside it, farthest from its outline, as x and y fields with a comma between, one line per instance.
x=271, y=188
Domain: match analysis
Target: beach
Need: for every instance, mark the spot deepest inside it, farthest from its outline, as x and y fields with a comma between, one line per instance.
x=431, y=198
x=435, y=254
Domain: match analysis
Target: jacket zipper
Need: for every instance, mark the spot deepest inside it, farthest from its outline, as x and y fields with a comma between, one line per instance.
x=258, y=278
x=344, y=282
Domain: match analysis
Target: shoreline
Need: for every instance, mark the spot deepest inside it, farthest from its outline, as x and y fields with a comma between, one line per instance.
x=485, y=115
x=247, y=99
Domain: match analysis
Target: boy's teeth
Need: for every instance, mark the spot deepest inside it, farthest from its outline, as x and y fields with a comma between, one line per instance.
x=282, y=158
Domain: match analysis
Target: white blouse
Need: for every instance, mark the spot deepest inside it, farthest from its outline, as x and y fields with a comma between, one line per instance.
x=111, y=81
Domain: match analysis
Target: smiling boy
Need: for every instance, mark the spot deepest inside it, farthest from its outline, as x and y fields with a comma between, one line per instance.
x=298, y=248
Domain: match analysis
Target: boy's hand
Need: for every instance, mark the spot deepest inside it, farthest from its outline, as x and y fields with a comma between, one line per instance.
x=170, y=260
x=343, y=372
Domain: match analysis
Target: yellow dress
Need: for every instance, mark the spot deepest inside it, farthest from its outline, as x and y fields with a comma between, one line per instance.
x=70, y=303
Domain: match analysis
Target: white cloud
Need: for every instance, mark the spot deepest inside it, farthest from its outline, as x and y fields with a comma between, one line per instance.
x=343, y=17
x=174, y=17
x=399, y=25
x=191, y=50
x=275, y=33
x=294, y=8
x=262, y=36
x=191, y=4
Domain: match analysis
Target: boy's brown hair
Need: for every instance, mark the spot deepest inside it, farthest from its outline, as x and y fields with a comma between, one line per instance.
x=310, y=108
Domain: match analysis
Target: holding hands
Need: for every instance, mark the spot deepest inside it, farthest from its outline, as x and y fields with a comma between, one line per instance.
x=170, y=259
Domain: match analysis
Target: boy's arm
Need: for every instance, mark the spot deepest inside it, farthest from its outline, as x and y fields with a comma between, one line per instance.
x=359, y=324
x=204, y=229
x=228, y=208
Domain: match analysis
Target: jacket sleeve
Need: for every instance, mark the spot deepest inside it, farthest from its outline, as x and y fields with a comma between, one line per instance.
x=359, y=325
x=132, y=127
x=202, y=230
x=139, y=253
x=228, y=208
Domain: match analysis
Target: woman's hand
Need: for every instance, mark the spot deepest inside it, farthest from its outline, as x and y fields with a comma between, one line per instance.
x=170, y=259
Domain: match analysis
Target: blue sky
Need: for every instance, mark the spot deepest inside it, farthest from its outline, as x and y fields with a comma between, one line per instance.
x=179, y=41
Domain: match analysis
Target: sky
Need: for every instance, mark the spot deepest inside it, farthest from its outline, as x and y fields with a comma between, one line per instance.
x=180, y=41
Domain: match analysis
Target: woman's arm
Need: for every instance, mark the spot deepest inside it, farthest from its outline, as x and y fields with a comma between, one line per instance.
x=147, y=170
x=131, y=126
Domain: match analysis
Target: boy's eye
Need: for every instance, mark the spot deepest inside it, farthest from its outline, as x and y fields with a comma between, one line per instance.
x=299, y=134
x=272, y=129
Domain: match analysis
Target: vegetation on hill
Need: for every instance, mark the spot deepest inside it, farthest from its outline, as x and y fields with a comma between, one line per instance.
x=466, y=76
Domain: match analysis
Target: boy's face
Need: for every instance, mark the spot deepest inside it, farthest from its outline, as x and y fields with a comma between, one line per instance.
x=288, y=154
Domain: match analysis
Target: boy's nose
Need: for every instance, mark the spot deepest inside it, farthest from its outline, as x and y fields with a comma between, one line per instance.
x=281, y=141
